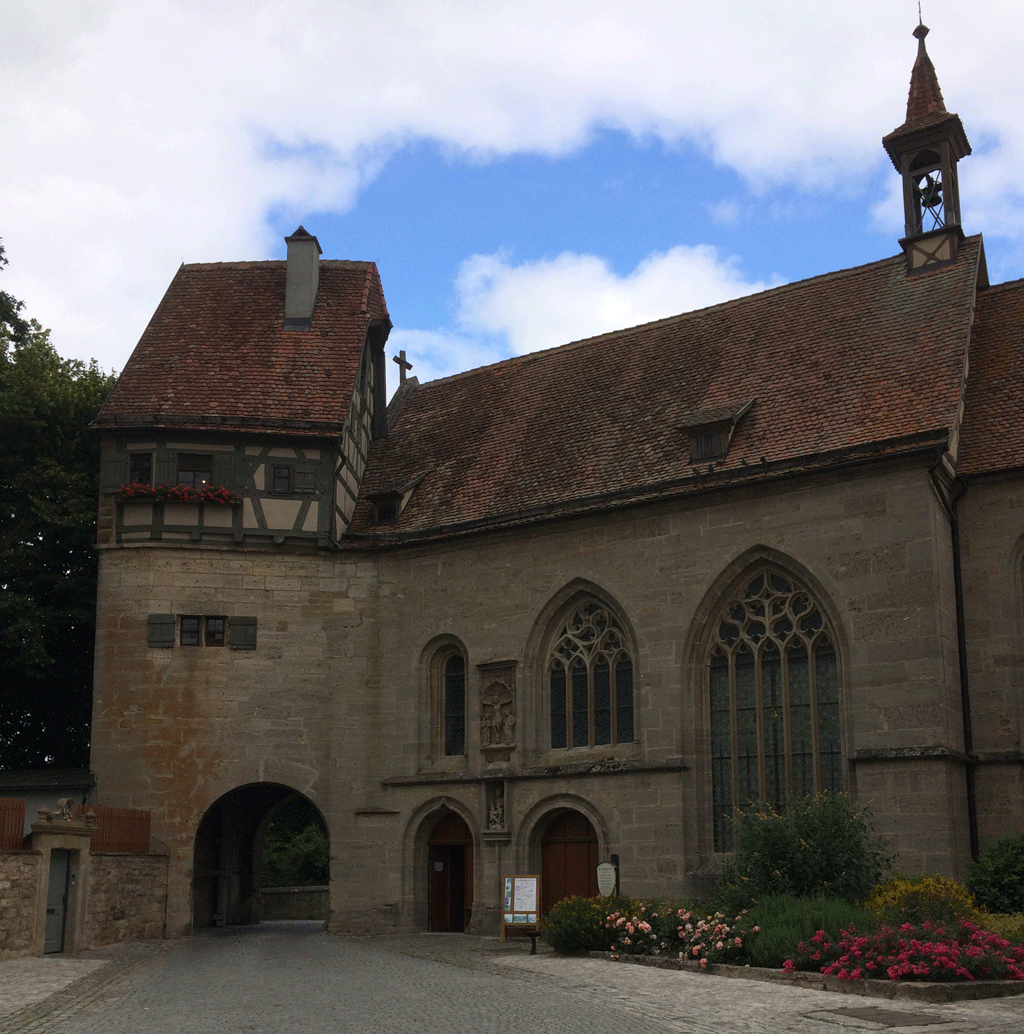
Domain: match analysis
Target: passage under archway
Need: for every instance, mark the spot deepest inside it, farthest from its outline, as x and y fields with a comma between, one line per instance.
x=227, y=856
x=569, y=854
x=450, y=857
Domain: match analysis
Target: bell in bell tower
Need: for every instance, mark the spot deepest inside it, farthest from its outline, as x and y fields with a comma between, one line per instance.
x=925, y=151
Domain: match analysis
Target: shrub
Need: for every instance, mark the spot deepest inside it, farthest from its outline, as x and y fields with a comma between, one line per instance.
x=706, y=939
x=578, y=924
x=637, y=930
x=785, y=921
x=920, y=899
x=926, y=952
x=1010, y=926
x=996, y=879
x=819, y=845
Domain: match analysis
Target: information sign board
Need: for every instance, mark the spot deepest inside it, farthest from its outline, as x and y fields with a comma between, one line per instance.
x=520, y=903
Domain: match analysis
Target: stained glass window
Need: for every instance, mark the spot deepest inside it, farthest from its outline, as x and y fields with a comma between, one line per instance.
x=774, y=700
x=455, y=705
x=590, y=676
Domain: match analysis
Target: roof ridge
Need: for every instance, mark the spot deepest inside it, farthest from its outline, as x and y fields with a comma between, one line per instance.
x=254, y=263
x=740, y=299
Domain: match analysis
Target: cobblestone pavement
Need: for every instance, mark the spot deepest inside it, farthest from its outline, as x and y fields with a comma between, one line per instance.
x=285, y=977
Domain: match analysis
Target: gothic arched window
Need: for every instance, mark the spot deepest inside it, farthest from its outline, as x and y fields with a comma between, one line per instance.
x=774, y=685
x=590, y=676
x=453, y=679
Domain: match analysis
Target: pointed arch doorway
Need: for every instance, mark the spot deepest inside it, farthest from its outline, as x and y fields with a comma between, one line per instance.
x=450, y=880
x=569, y=855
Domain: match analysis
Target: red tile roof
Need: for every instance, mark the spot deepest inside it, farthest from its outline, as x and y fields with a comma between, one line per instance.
x=993, y=433
x=215, y=351
x=858, y=362
x=925, y=97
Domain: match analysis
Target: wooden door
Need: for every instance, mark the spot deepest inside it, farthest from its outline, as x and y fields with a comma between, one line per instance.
x=450, y=886
x=568, y=859
x=57, y=900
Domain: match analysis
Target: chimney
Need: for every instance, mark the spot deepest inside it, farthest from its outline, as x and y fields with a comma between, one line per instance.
x=302, y=278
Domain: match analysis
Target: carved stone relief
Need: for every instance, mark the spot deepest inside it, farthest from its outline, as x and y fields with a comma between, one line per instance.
x=498, y=717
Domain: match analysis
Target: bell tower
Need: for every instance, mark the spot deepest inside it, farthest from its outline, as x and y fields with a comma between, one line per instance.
x=925, y=151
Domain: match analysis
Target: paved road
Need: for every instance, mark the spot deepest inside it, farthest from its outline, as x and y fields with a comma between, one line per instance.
x=288, y=977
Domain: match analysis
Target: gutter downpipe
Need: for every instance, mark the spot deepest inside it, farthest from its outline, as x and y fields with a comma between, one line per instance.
x=949, y=504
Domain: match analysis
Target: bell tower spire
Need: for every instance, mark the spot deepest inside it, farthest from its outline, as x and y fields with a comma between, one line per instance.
x=925, y=151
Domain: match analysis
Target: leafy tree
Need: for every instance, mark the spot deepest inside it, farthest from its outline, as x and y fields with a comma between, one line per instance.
x=295, y=850
x=49, y=485
x=820, y=844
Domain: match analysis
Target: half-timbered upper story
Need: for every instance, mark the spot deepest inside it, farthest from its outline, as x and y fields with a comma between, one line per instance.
x=246, y=412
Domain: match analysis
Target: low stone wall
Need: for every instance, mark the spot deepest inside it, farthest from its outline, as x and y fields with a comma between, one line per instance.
x=293, y=903
x=127, y=898
x=920, y=991
x=19, y=881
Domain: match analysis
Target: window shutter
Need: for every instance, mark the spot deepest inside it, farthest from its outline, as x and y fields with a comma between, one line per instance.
x=113, y=471
x=304, y=476
x=223, y=463
x=161, y=631
x=243, y=633
x=166, y=469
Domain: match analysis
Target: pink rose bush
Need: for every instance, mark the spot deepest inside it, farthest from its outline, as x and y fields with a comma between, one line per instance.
x=677, y=931
x=925, y=952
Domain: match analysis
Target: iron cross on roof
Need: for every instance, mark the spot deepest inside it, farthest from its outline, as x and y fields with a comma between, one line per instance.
x=403, y=364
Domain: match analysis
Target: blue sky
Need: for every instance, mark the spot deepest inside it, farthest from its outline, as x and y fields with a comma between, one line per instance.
x=523, y=173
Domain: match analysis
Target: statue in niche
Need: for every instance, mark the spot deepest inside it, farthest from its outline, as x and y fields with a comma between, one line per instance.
x=496, y=814
x=498, y=719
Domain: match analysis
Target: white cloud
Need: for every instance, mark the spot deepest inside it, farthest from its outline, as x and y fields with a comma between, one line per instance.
x=138, y=135
x=541, y=304
x=441, y=353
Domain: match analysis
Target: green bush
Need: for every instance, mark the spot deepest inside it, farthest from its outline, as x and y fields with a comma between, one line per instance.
x=578, y=924
x=783, y=921
x=920, y=899
x=996, y=879
x=1008, y=926
x=818, y=845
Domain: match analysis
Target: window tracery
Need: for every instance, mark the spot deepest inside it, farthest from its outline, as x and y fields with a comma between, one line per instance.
x=774, y=696
x=590, y=677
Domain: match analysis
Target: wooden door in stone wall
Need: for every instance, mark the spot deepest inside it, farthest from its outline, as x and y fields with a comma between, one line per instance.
x=57, y=900
x=568, y=859
x=450, y=857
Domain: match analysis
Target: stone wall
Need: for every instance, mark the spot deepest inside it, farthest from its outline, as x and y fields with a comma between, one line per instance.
x=127, y=898
x=992, y=546
x=293, y=903
x=336, y=701
x=19, y=883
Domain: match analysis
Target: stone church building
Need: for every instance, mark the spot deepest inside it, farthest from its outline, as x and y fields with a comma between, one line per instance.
x=576, y=604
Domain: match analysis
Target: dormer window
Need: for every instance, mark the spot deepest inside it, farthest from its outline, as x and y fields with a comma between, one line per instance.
x=709, y=444
x=711, y=430
x=387, y=507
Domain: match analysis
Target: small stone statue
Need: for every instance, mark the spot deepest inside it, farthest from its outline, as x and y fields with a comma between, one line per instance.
x=496, y=816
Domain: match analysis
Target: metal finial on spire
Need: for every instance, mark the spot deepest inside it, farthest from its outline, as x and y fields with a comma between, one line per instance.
x=921, y=31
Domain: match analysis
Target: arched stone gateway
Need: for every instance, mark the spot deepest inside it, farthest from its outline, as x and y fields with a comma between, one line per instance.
x=569, y=857
x=450, y=879
x=227, y=856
